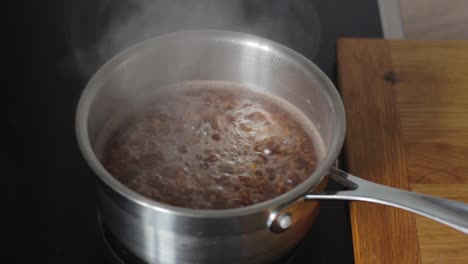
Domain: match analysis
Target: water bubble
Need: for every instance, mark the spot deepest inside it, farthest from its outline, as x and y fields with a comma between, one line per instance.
x=217, y=156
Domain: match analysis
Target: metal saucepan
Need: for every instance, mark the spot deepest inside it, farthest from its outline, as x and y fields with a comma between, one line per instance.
x=160, y=233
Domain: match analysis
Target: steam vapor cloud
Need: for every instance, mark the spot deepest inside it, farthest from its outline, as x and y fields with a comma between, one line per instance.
x=117, y=24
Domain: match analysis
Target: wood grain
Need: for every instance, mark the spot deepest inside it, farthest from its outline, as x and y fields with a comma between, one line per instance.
x=419, y=118
x=437, y=163
x=432, y=90
x=374, y=151
x=438, y=243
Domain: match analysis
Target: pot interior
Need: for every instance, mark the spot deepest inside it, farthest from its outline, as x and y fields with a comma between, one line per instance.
x=242, y=59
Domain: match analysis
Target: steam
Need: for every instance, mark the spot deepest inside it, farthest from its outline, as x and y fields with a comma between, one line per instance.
x=100, y=29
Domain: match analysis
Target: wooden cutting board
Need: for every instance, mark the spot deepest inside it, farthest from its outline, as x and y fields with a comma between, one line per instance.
x=407, y=126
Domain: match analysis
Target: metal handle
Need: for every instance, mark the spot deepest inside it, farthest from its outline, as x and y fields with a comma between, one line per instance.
x=448, y=212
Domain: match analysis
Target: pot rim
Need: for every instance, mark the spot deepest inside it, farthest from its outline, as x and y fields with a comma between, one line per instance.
x=91, y=89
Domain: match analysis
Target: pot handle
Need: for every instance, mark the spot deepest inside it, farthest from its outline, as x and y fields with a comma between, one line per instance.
x=448, y=212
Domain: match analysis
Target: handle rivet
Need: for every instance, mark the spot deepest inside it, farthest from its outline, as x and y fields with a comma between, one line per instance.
x=285, y=221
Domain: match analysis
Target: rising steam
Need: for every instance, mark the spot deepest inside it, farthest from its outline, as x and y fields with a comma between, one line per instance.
x=100, y=29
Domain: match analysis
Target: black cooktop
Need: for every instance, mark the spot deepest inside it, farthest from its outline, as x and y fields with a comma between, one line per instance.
x=56, y=45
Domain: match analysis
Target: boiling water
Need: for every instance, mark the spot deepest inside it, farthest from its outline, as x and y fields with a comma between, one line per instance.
x=212, y=145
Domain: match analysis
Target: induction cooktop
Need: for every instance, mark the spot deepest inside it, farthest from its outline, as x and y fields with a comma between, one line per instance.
x=55, y=48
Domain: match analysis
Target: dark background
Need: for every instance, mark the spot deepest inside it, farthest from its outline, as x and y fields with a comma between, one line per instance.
x=50, y=197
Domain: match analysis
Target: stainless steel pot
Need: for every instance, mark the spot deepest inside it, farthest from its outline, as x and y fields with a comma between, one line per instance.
x=160, y=233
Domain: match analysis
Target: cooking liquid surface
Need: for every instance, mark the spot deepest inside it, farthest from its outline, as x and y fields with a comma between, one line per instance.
x=208, y=145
